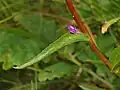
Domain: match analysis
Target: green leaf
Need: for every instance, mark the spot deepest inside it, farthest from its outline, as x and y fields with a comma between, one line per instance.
x=17, y=46
x=44, y=29
x=15, y=49
x=43, y=76
x=64, y=40
x=56, y=71
x=115, y=59
x=61, y=67
x=103, y=46
x=108, y=24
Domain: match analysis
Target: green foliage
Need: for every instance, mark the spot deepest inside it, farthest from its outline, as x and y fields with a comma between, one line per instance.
x=55, y=71
x=39, y=26
x=16, y=49
x=64, y=40
x=102, y=10
x=26, y=45
x=105, y=48
x=32, y=32
x=115, y=59
x=84, y=53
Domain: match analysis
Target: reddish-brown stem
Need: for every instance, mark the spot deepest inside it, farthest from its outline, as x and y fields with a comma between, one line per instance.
x=76, y=16
x=84, y=29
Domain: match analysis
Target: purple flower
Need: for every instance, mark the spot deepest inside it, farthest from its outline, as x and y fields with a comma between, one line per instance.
x=72, y=29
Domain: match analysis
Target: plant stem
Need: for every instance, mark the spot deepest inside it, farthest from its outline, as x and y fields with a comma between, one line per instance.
x=6, y=19
x=99, y=78
x=84, y=29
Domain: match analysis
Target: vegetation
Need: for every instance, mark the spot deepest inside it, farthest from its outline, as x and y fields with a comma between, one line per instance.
x=37, y=51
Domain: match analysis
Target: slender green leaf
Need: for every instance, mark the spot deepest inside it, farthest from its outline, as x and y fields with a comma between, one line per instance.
x=59, y=43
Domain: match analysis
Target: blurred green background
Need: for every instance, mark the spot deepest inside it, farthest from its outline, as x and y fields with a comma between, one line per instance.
x=34, y=27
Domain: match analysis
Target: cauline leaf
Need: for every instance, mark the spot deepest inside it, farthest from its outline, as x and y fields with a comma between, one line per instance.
x=64, y=40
